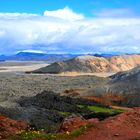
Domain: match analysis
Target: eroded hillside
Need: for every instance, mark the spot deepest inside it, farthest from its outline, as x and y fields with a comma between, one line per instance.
x=92, y=64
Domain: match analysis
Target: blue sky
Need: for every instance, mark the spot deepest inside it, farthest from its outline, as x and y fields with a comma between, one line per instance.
x=70, y=26
x=86, y=7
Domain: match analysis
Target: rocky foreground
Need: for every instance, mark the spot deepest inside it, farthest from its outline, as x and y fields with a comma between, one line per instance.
x=47, y=110
x=9, y=127
x=125, y=126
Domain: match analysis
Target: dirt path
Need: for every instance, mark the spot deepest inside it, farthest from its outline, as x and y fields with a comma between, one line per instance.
x=73, y=74
x=123, y=108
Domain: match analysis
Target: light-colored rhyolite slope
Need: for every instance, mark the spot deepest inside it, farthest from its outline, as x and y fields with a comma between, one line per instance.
x=92, y=64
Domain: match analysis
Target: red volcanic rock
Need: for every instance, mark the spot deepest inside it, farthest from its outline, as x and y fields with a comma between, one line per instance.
x=9, y=127
x=125, y=126
x=73, y=122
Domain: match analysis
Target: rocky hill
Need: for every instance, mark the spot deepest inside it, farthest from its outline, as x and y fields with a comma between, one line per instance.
x=127, y=84
x=122, y=89
x=128, y=81
x=92, y=64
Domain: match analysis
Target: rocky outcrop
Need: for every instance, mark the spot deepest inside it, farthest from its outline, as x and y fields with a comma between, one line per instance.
x=72, y=122
x=47, y=109
x=122, y=89
x=92, y=64
x=9, y=127
x=127, y=85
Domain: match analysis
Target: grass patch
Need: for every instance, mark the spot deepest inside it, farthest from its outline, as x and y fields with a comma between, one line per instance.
x=81, y=106
x=64, y=114
x=98, y=109
x=101, y=109
x=80, y=130
x=29, y=135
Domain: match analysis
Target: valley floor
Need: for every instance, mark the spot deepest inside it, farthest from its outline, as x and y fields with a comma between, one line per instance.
x=25, y=66
x=20, y=66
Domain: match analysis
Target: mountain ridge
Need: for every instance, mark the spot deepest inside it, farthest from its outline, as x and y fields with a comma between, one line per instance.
x=31, y=56
x=93, y=64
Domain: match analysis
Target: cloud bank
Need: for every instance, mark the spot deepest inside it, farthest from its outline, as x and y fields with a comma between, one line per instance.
x=64, y=31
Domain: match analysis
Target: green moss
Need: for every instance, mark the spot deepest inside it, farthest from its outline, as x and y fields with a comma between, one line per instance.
x=98, y=109
x=65, y=114
x=101, y=109
x=81, y=106
x=80, y=130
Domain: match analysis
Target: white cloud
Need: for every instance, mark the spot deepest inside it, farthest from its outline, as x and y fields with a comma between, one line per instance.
x=33, y=51
x=12, y=16
x=66, y=31
x=66, y=14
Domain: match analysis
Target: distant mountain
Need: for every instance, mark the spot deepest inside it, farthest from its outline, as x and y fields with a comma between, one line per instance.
x=103, y=55
x=29, y=56
x=33, y=56
x=91, y=64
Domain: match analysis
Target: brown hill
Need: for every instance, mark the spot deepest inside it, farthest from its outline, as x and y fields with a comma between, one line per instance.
x=124, y=62
x=92, y=64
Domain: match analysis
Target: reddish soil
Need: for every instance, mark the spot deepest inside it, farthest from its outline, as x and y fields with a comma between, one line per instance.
x=73, y=122
x=9, y=127
x=107, y=99
x=125, y=126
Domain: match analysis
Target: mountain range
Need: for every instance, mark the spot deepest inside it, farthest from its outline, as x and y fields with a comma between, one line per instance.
x=93, y=64
x=30, y=56
x=33, y=56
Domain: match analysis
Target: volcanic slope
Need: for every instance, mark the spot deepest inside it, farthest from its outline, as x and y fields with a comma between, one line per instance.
x=123, y=89
x=92, y=64
x=126, y=84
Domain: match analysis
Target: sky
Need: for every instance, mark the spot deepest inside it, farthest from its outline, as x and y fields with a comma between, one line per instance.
x=70, y=26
